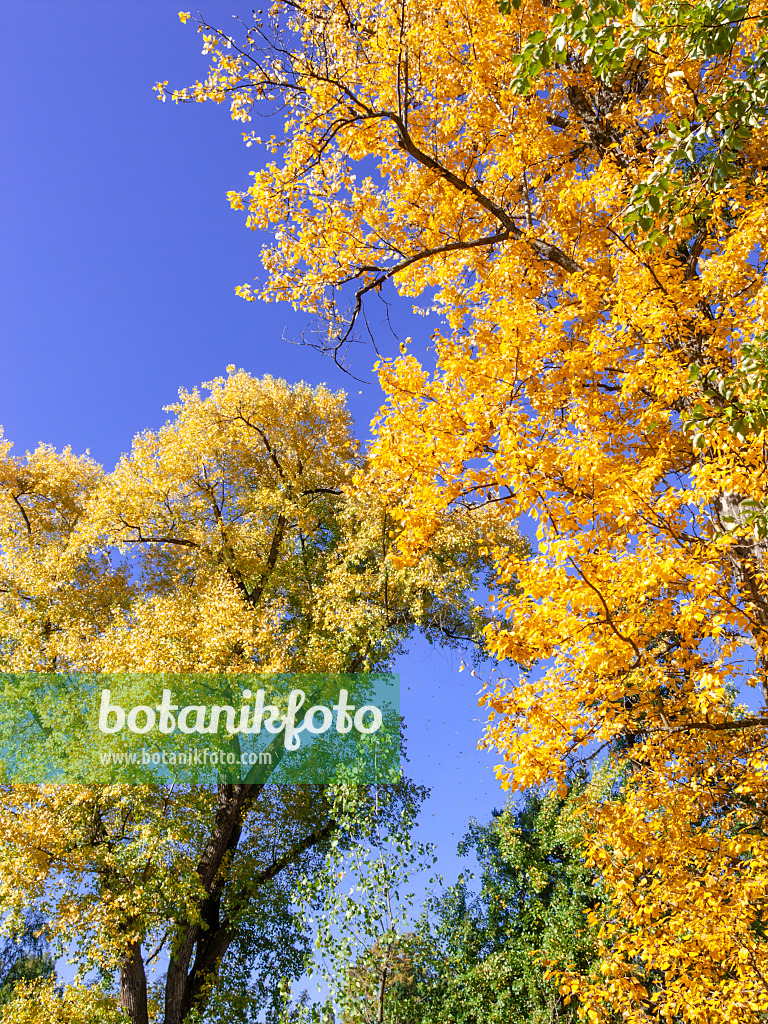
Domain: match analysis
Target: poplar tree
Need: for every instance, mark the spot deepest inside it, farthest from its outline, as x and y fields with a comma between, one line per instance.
x=246, y=535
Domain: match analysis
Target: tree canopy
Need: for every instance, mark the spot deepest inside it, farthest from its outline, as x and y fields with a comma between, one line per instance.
x=578, y=194
x=492, y=953
x=245, y=535
x=497, y=954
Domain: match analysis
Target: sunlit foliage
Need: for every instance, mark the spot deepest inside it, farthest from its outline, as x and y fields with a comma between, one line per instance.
x=580, y=195
x=245, y=535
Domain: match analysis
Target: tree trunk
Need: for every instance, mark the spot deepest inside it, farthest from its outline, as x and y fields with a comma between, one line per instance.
x=133, y=986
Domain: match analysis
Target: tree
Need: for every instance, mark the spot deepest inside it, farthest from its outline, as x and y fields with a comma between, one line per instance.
x=361, y=906
x=231, y=541
x=490, y=956
x=497, y=955
x=590, y=227
x=75, y=1005
x=698, y=156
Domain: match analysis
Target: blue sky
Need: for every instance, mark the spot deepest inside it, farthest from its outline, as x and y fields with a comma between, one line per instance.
x=120, y=258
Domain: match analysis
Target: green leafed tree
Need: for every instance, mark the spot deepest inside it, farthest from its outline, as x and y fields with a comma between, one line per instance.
x=485, y=956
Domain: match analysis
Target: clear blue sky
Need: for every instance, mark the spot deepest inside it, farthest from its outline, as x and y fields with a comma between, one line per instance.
x=120, y=256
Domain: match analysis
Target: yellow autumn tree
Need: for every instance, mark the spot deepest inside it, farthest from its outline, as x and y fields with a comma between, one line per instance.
x=228, y=541
x=579, y=192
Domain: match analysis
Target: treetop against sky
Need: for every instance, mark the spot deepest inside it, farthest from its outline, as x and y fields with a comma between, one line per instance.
x=578, y=195
x=584, y=190
x=123, y=290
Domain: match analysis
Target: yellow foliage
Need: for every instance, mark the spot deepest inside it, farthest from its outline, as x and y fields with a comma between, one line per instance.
x=560, y=384
x=34, y=1003
x=245, y=535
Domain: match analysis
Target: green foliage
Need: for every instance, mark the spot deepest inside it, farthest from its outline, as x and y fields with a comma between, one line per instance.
x=360, y=905
x=270, y=945
x=24, y=957
x=610, y=39
x=487, y=957
x=738, y=400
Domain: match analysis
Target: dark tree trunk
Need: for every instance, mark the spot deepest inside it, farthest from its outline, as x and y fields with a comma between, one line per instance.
x=133, y=986
x=202, y=946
